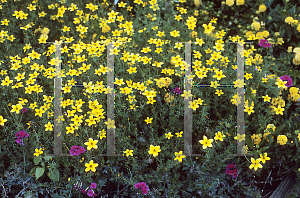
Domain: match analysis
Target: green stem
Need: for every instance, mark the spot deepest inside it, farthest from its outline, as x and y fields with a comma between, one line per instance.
x=247, y=158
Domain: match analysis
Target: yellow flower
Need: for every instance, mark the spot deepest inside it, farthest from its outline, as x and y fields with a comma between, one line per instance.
x=255, y=164
x=128, y=152
x=197, y=2
x=206, y=142
x=240, y=2
x=266, y=133
x=154, y=150
x=199, y=101
x=245, y=149
x=187, y=94
x=238, y=83
x=279, y=110
x=262, y=8
x=179, y=134
x=219, y=92
x=280, y=84
x=91, y=144
x=179, y=156
x=2, y=121
x=264, y=158
x=49, y=127
x=219, y=136
x=175, y=33
x=105, y=28
x=266, y=98
x=271, y=126
x=6, y=82
x=16, y=108
x=110, y=123
x=38, y=152
x=256, y=139
x=193, y=105
x=148, y=120
x=240, y=137
x=168, y=135
x=219, y=75
x=281, y=139
x=289, y=20
x=229, y=2
x=91, y=166
x=249, y=110
x=255, y=25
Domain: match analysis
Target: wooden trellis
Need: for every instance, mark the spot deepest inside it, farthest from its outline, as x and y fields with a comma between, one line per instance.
x=110, y=103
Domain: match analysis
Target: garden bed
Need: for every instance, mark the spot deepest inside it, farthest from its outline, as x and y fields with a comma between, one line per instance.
x=126, y=99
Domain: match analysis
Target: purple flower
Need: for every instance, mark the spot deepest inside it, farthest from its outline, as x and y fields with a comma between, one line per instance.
x=76, y=150
x=19, y=141
x=24, y=110
x=20, y=135
x=176, y=90
x=93, y=185
x=267, y=45
x=90, y=193
x=231, y=170
x=288, y=79
x=264, y=43
x=142, y=186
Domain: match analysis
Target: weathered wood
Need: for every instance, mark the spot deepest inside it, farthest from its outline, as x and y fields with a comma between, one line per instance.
x=285, y=187
x=298, y=102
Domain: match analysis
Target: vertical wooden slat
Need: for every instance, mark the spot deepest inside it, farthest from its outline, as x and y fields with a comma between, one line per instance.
x=188, y=111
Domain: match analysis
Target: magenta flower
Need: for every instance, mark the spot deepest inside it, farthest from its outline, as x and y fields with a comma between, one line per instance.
x=288, y=79
x=19, y=141
x=91, y=193
x=93, y=185
x=24, y=110
x=142, y=186
x=76, y=150
x=264, y=43
x=20, y=135
x=231, y=170
x=176, y=90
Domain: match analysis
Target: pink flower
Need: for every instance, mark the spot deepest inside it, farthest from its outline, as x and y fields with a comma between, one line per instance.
x=24, y=110
x=76, y=150
x=19, y=141
x=264, y=43
x=90, y=193
x=142, y=186
x=20, y=135
x=93, y=185
x=288, y=79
